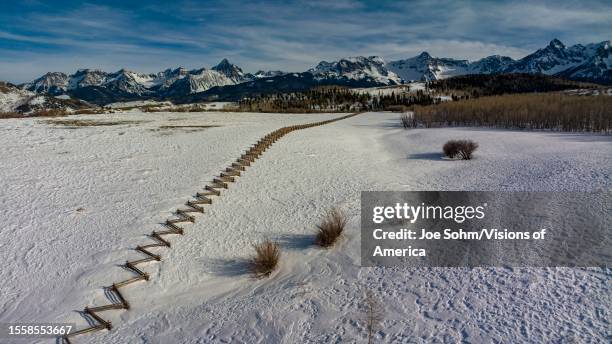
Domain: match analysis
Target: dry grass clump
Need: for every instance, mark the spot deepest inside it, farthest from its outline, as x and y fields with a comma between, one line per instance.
x=11, y=114
x=91, y=111
x=50, y=113
x=39, y=113
x=461, y=148
x=266, y=258
x=331, y=228
x=547, y=111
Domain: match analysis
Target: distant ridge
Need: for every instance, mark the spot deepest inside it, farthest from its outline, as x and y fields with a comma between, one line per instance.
x=591, y=62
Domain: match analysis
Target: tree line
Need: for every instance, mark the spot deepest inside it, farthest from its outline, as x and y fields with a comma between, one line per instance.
x=333, y=99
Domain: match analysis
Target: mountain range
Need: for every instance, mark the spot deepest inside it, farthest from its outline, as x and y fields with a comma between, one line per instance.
x=591, y=62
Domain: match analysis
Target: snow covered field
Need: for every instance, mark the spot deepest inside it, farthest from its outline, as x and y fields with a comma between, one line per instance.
x=76, y=200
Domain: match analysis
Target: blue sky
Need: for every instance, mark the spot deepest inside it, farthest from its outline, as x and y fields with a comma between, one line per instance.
x=148, y=36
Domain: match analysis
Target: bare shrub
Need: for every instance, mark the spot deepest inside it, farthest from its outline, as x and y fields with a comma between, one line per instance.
x=407, y=120
x=331, y=228
x=266, y=258
x=373, y=314
x=462, y=148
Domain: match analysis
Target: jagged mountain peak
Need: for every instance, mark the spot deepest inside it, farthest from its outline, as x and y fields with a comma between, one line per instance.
x=556, y=44
x=82, y=71
x=424, y=56
x=231, y=71
x=224, y=63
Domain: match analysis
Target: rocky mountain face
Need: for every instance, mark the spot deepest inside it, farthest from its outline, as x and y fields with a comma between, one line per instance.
x=361, y=68
x=231, y=72
x=490, y=64
x=591, y=62
x=53, y=83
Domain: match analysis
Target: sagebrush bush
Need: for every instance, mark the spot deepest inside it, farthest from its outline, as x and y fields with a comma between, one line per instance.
x=330, y=228
x=450, y=148
x=267, y=255
x=460, y=148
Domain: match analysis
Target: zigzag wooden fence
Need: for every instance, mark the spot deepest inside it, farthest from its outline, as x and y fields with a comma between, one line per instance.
x=194, y=205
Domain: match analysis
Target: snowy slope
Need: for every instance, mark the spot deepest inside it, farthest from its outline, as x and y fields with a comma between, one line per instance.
x=14, y=99
x=11, y=97
x=128, y=178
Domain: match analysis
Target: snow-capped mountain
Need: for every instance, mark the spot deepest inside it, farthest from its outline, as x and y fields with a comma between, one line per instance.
x=199, y=81
x=490, y=64
x=86, y=77
x=591, y=62
x=425, y=67
x=361, y=68
x=232, y=72
x=90, y=83
x=53, y=83
x=130, y=82
x=552, y=59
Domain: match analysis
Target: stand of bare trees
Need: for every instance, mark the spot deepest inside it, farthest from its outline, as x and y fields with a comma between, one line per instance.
x=549, y=111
